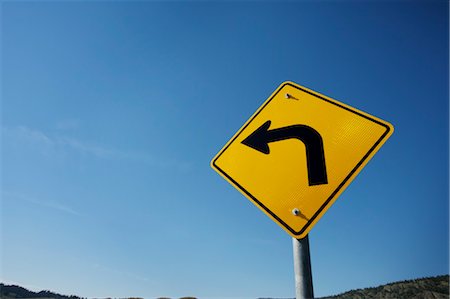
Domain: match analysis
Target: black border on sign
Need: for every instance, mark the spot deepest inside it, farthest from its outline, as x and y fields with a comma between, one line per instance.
x=335, y=191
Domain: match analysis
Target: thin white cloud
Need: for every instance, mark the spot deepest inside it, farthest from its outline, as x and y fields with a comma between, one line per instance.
x=26, y=133
x=58, y=206
x=50, y=144
x=91, y=149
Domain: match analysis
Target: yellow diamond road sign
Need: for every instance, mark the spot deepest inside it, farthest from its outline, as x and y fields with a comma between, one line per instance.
x=298, y=153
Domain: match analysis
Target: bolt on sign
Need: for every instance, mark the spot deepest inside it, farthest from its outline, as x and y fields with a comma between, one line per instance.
x=298, y=153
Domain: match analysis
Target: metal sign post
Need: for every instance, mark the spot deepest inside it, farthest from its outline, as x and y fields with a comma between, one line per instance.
x=302, y=269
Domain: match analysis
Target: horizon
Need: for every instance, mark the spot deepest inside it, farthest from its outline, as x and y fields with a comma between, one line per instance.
x=369, y=287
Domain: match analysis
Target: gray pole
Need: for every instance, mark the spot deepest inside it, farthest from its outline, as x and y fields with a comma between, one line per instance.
x=302, y=269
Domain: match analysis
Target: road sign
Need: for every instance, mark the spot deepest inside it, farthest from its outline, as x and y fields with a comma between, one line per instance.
x=298, y=153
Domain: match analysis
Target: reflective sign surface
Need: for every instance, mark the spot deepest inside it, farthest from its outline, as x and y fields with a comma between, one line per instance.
x=297, y=153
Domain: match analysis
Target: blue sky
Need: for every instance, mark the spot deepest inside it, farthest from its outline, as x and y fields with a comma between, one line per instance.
x=112, y=111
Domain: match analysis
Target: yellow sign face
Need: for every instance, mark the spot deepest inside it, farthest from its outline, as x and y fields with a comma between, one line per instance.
x=298, y=153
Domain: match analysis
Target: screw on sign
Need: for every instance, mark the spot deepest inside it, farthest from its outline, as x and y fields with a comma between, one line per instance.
x=297, y=153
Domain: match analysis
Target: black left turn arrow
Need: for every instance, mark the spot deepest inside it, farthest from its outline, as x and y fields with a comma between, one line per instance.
x=315, y=157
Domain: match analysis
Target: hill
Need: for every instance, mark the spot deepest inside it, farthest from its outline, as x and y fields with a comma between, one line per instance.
x=424, y=288
x=13, y=291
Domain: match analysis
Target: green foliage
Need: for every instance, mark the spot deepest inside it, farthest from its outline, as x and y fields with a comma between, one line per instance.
x=425, y=288
x=13, y=291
